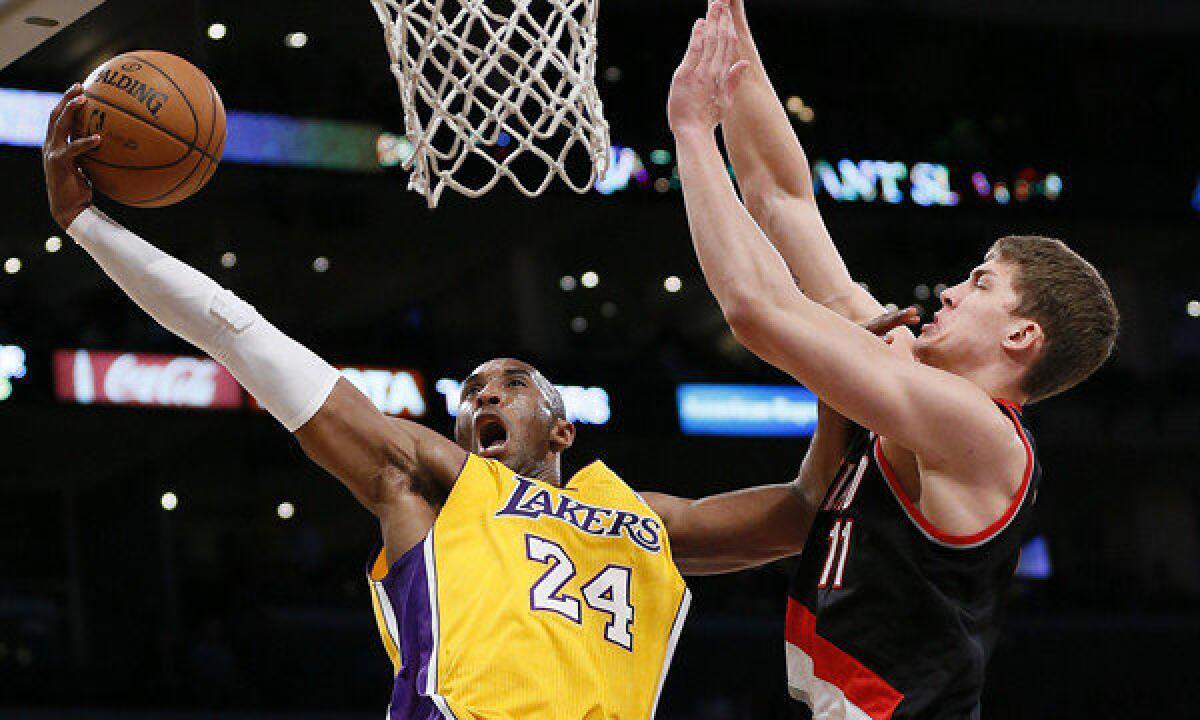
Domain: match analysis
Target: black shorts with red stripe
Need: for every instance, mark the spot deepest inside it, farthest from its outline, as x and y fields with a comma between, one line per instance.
x=890, y=618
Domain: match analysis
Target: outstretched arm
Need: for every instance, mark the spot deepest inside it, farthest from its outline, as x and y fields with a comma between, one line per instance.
x=776, y=183
x=386, y=463
x=751, y=527
x=913, y=404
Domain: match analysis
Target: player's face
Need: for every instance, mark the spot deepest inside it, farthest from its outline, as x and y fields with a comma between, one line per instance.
x=503, y=414
x=976, y=317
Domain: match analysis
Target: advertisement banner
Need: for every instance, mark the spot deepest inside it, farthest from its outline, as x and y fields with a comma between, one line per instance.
x=97, y=377
x=395, y=391
x=746, y=410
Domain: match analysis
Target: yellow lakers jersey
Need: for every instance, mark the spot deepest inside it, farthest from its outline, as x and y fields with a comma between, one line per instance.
x=528, y=601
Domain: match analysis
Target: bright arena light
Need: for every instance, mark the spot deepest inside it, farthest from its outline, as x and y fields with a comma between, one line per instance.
x=590, y=279
x=169, y=501
x=800, y=110
x=53, y=244
x=672, y=284
x=1054, y=186
x=1002, y=194
x=567, y=283
x=321, y=264
x=216, y=31
x=295, y=40
x=1193, y=308
x=12, y=266
x=286, y=510
x=228, y=260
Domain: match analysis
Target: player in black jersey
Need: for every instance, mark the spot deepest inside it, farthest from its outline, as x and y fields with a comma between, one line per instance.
x=902, y=580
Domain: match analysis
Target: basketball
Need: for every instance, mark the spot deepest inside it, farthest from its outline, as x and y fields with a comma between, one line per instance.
x=162, y=126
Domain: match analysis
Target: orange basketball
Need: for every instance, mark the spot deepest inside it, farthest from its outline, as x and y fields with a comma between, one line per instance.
x=162, y=126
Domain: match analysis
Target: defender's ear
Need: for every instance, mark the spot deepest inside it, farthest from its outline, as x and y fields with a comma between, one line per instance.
x=1025, y=338
x=562, y=435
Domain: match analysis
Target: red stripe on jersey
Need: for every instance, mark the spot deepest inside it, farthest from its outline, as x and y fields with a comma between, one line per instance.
x=869, y=692
x=988, y=532
x=1008, y=404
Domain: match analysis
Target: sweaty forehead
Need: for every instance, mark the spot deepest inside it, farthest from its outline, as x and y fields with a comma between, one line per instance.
x=502, y=366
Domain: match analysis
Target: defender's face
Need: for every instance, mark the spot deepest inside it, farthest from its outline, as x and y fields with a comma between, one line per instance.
x=504, y=415
x=975, y=318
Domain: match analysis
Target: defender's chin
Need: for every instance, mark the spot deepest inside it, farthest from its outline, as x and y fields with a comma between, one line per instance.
x=923, y=351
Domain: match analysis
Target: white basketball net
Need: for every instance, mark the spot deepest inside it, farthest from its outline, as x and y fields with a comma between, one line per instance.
x=497, y=89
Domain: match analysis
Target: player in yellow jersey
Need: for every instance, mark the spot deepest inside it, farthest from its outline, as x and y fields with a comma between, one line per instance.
x=529, y=597
x=502, y=591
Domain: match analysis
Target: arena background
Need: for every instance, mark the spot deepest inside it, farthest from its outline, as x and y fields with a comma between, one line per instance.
x=1070, y=118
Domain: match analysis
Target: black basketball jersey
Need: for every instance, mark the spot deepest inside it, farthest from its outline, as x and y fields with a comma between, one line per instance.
x=888, y=617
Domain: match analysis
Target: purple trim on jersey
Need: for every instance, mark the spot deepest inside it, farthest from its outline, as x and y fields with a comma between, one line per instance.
x=407, y=587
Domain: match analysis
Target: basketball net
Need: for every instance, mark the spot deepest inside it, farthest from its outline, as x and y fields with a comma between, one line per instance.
x=497, y=89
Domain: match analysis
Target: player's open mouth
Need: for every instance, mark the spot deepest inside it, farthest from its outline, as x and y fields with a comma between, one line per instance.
x=491, y=436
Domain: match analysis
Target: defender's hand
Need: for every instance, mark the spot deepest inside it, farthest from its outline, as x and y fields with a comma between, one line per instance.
x=737, y=10
x=886, y=323
x=67, y=186
x=704, y=83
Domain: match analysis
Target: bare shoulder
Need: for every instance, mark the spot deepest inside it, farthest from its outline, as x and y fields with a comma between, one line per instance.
x=666, y=507
x=962, y=426
x=422, y=470
x=964, y=492
x=979, y=440
x=434, y=457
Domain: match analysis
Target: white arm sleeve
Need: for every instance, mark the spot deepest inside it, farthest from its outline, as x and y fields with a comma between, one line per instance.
x=286, y=378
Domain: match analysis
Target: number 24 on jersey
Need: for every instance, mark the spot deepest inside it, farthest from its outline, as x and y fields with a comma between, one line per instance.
x=607, y=592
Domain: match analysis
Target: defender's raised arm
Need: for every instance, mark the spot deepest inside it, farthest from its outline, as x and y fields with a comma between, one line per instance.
x=847, y=367
x=776, y=183
x=397, y=469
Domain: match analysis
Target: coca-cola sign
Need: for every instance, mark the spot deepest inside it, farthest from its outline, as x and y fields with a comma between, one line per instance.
x=112, y=378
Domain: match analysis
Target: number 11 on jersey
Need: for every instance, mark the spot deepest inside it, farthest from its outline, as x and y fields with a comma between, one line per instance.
x=839, y=548
x=607, y=592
